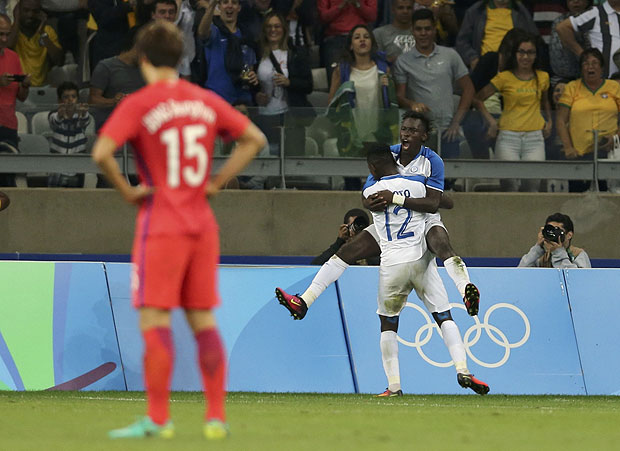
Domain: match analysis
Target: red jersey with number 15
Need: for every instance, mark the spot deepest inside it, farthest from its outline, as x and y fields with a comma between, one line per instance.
x=172, y=126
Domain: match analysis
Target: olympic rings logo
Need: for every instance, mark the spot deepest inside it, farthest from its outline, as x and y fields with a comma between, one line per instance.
x=425, y=333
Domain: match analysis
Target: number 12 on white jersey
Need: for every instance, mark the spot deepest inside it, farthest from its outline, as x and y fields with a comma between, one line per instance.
x=401, y=234
x=192, y=149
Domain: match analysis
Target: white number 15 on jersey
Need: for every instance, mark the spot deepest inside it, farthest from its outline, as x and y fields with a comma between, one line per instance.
x=192, y=149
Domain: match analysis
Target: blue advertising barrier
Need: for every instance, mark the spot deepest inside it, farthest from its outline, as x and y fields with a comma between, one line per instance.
x=539, y=331
x=267, y=351
x=594, y=297
x=519, y=335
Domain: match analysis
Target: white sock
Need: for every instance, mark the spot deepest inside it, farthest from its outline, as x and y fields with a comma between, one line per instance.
x=454, y=343
x=389, y=355
x=458, y=273
x=331, y=270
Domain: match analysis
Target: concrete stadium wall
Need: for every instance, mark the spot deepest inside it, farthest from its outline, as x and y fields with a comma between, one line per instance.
x=70, y=326
x=294, y=222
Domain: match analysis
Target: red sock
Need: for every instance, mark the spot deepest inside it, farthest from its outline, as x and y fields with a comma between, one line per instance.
x=212, y=360
x=158, y=358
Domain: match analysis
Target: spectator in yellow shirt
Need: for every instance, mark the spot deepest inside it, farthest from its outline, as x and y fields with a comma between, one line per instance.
x=522, y=126
x=588, y=103
x=36, y=43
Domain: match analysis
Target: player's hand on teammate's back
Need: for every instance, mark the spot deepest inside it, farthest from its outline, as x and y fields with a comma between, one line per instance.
x=136, y=194
x=374, y=203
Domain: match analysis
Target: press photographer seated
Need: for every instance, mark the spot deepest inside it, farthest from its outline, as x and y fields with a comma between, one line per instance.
x=553, y=248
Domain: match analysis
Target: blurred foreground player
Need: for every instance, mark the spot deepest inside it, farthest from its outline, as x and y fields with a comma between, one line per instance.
x=4, y=201
x=172, y=126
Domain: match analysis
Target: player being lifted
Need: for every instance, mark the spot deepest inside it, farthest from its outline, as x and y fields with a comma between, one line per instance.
x=172, y=125
x=412, y=158
x=407, y=265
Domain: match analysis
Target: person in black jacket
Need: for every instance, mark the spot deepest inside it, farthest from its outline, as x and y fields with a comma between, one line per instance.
x=285, y=80
x=355, y=220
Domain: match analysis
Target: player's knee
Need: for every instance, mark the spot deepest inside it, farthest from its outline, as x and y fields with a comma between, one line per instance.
x=440, y=317
x=389, y=323
x=439, y=243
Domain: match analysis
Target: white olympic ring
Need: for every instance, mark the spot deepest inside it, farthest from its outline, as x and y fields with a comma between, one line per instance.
x=495, y=335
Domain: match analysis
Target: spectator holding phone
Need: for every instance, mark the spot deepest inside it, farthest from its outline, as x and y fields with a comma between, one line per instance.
x=553, y=248
x=35, y=42
x=13, y=85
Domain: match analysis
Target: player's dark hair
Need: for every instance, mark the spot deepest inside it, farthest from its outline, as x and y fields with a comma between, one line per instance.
x=422, y=14
x=358, y=212
x=380, y=156
x=66, y=86
x=161, y=43
x=562, y=219
x=410, y=114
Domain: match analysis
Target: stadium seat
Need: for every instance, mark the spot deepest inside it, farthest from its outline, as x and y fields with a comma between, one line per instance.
x=59, y=74
x=22, y=122
x=34, y=144
x=42, y=96
x=319, y=79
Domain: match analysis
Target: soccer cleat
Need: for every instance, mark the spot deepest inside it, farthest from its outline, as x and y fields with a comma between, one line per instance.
x=215, y=430
x=471, y=299
x=143, y=428
x=293, y=303
x=389, y=394
x=469, y=381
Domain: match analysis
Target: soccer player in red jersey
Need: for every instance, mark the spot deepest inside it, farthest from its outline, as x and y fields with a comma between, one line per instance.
x=172, y=125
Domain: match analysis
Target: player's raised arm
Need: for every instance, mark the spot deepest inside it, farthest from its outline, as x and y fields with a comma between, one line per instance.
x=249, y=144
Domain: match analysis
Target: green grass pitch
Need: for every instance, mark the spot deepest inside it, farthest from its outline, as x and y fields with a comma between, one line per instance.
x=265, y=421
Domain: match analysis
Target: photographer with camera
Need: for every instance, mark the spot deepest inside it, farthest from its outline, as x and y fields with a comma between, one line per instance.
x=553, y=248
x=355, y=220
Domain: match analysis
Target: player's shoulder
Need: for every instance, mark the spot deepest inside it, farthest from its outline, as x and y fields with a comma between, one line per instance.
x=429, y=154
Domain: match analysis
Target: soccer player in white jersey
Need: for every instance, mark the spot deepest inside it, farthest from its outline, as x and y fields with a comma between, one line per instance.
x=407, y=265
x=412, y=157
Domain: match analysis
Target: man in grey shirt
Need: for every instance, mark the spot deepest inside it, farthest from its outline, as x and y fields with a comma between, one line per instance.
x=553, y=248
x=424, y=82
x=396, y=38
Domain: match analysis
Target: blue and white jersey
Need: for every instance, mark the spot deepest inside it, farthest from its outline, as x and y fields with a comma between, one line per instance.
x=400, y=230
x=426, y=163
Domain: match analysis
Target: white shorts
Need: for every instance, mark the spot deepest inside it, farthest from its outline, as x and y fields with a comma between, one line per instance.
x=397, y=281
x=431, y=220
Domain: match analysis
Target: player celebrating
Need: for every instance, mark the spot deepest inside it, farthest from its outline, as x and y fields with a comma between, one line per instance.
x=172, y=125
x=405, y=265
x=412, y=158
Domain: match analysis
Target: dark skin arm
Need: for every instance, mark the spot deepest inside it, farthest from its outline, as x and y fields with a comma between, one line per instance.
x=429, y=204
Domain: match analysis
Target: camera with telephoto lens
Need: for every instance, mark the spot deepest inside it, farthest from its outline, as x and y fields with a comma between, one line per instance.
x=553, y=234
x=358, y=225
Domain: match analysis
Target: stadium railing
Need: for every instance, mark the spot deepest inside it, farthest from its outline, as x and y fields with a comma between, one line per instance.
x=320, y=154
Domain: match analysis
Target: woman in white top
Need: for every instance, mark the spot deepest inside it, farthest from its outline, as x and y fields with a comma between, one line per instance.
x=360, y=66
x=285, y=79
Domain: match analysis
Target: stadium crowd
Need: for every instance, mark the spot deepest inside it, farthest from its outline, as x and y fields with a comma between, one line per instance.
x=500, y=79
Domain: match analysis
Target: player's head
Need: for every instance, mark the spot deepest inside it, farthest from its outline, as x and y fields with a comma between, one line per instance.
x=159, y=44
x=380, y=160
x=165, y=10
x=67, y=92
x=563, y=222
x=414, y=130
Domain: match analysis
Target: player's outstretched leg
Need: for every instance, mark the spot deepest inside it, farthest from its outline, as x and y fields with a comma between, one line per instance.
x=439, y=243
x=361, y=246
x=158, y=359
